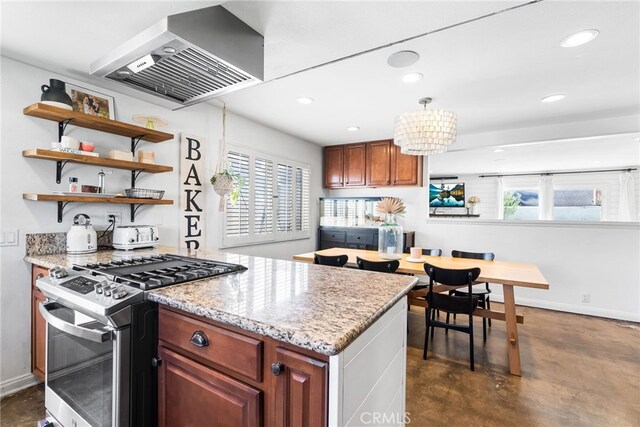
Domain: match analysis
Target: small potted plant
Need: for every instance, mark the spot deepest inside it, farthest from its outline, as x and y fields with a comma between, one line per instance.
x=227, y=182
x=472, y=202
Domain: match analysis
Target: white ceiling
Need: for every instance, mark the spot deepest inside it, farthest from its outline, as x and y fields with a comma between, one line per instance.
x=491, y=72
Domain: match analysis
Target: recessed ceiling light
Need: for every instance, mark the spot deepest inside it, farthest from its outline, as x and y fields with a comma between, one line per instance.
x=123, y=73
x=499, y=160
x=579, y=38
x=553, y=98
x=169, y=49
x=412, y=77
x=498, y=150
x=402, y=59
x=353, y=128
x=305, y=100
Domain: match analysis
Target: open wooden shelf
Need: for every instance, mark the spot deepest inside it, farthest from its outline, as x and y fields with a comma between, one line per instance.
x=59, y=156
x=115, y=127
x=89, y=199
x=63, y=200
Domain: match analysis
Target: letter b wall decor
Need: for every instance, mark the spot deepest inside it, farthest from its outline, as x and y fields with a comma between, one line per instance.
x=192, y=194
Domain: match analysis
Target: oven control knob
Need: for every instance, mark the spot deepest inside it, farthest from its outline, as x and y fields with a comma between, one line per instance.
x=119, y=293
x=98, y=287
x=108, y=289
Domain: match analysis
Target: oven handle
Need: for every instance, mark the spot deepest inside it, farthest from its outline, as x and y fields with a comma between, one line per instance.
x=75, y=330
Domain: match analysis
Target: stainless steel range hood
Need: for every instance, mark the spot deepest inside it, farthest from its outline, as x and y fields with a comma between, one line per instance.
x=188, y=58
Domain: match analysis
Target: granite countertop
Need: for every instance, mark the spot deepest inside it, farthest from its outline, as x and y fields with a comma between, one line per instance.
x=315, y=307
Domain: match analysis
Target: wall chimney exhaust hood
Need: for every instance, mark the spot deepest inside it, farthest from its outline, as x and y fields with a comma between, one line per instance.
x=188, y=58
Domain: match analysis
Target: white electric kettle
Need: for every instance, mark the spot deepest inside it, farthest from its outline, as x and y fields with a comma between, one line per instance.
x=82, y=238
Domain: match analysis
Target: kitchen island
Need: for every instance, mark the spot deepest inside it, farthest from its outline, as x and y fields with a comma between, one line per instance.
x=283, y=343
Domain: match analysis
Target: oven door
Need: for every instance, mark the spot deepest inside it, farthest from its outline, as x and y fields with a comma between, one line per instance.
x=87, y=369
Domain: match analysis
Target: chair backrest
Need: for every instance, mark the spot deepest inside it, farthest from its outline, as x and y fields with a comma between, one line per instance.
x=381, y=266
x=334, y=261
x=430, y=252
x=452, y=277
x=487, y=256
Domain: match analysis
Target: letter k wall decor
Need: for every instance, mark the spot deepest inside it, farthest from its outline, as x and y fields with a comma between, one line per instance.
x=192, y=197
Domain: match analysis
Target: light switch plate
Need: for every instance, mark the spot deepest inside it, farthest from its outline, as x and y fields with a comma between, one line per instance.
x=9, y=237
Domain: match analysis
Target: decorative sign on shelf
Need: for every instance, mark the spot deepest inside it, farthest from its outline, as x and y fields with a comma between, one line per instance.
x=192, y=195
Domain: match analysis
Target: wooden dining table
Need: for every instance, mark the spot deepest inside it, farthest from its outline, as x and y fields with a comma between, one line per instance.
x=507, y=274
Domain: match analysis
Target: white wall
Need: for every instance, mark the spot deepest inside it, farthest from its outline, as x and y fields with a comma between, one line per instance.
x=21, y=87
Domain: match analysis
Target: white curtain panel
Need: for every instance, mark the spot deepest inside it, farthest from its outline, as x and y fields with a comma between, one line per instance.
x=545, y=198
x=627, y=209
x=500, y=201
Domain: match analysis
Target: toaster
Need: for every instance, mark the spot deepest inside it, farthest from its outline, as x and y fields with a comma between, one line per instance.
x=127, y=237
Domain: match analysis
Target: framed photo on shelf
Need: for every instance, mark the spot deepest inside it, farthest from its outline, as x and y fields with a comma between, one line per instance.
x=92, y=103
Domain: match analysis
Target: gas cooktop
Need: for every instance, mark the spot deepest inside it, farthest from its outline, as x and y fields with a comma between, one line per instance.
x=159, y=270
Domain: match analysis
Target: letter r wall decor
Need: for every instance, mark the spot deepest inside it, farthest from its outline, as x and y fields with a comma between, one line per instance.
x=192, y=192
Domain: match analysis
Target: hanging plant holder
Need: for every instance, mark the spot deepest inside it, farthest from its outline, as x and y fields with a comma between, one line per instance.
x=224, y=180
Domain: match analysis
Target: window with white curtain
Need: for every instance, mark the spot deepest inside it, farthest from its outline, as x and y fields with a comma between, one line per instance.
x=274, y=201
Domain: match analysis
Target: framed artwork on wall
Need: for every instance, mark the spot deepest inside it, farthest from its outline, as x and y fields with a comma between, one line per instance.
x=92, y=103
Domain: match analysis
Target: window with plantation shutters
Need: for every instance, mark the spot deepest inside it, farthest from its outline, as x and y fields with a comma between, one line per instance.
x=274, y=201
x=237, y=214
x=302, y=199
x=263, y=196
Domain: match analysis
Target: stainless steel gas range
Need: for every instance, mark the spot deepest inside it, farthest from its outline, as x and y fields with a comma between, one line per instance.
x=102, y=337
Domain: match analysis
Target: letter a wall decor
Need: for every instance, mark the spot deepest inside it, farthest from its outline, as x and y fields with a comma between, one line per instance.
x=192, y=191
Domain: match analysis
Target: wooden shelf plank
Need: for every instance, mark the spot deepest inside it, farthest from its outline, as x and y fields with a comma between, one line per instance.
x=89, y=199
x=102, y=124
x=39, y=153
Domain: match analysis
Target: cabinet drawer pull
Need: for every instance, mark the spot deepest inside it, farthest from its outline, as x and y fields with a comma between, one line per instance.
x=39, y=276
x=156, y=361
x=276, y=368
x=199, y=339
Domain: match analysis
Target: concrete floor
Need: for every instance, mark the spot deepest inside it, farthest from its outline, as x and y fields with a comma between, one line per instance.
x=577, y=371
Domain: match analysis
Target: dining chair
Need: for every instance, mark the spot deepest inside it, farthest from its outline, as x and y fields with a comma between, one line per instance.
x=482, y=294
x=380, y=266
x=429, y=252
x=330, y=260
x=451, y=304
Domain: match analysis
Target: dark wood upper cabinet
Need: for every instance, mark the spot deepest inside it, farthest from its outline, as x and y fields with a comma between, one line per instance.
x=355, y=159
x=334, y=166
x=405, y=169
x=379, y=163
x=370, y=164
x=191, y=394
x=301, y=390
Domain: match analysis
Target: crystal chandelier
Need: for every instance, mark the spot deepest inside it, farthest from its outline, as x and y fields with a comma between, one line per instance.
x=425, y=132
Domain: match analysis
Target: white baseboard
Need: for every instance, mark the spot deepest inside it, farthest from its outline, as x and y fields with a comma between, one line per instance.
x=570, y=308
x=18, y=383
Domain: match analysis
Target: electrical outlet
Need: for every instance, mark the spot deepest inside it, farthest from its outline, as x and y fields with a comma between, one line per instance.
x=117, y=215
x=586, y=298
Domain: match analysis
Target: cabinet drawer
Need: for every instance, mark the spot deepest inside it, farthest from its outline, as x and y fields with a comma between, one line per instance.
x=333, y=236
x=364, y=238
x=36, y=273
x=227, y=349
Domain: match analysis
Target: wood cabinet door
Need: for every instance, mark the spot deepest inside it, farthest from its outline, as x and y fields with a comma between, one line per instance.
x=190, y=394
x=355, y=160
x=405, y=169
x=38, y=335
x=334, y=166
x=379, y=163
x=38, y=324
x=301, y=390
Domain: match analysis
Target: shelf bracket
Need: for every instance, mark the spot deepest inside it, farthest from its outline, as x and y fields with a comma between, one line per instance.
x=134, y=176
x=61, y=127
x=135, y=141
x=134, y=209
x=61, y=206
x=59, y=167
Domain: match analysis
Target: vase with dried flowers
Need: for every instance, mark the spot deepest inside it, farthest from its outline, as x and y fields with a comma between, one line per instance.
x=390, y=234
x=472, y=202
